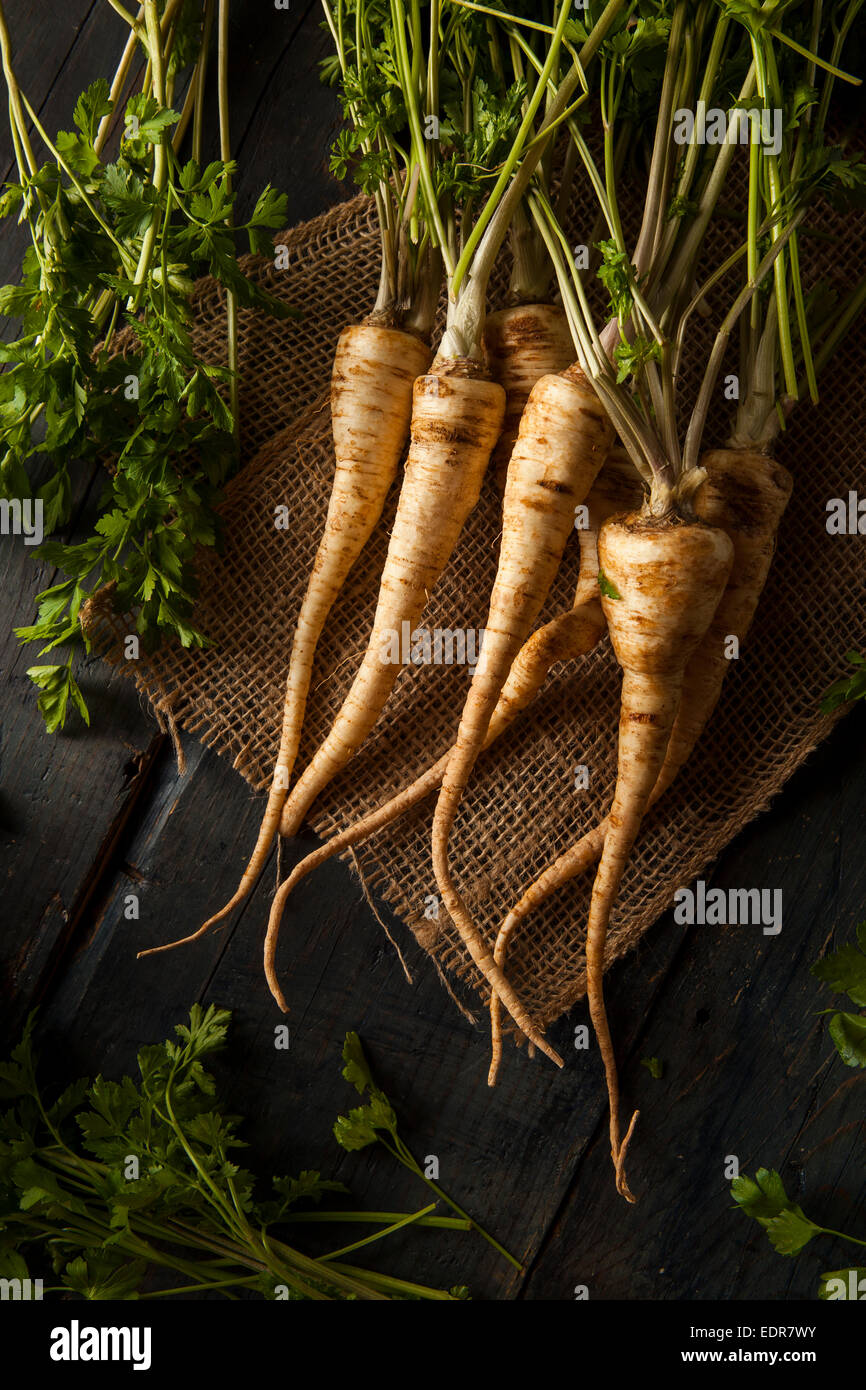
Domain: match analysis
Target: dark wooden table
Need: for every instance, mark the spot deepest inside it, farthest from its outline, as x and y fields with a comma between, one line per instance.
x=90, y=817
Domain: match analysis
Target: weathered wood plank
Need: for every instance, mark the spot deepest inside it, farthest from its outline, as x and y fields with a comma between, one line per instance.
x=294, y=115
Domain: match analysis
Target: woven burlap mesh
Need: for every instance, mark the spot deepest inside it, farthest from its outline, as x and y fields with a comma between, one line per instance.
x=523, y=806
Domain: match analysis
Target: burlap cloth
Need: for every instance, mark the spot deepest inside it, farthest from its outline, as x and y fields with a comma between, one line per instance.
x=522, y=807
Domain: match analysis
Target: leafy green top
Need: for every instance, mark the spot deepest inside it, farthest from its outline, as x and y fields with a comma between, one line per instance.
x=114, y=247
x=151, y=1182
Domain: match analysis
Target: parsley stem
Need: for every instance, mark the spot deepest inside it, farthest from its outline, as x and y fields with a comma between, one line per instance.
x=242, y=1281
x=839, y=38
x=678, y=271
x=134, y=24
x=160, y=155
x=419, y=144
x=199, y=82
x=608, y=116
x=19, y=123
x=404, y=1155
x=378, y=1235
x=445, y=1223
x=224, y=1247
x=225, y=155
x=386, y=1282
x=505, y=15
x=699, y=414
x=485, y=240
x=93, y=1234
x=767, y=91
x=813, y=57
x=661, y=143
x=753, y=218
x=491, y=226
x=852, y=309
x=236, y=1220
x=841, y=1235
x=118, y=84
x=295, y=1261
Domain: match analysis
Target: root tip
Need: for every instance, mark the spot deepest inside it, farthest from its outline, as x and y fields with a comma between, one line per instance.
x=549, y=1052
x=622, y=1186
x=279, y=998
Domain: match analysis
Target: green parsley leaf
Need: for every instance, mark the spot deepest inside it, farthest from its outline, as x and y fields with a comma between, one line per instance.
x=790, y=1231
x=764, y=1199
x=94, y=103
x=845, y=970
x=847, y=688
x=763, y=1196
x=616, y=274
x=56, y=684
x=115, y=252
x=357, y=1069
x=607, y=588
x=848, y=1032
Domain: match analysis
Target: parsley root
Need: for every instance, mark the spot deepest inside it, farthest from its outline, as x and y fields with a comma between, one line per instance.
x=745, y=493
x=669, y=574
x=563, y=439
x=523, y=344
x=456, y=419
x=564, y=638
x=371, y=400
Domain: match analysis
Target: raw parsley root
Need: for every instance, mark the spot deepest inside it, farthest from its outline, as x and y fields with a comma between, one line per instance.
x=745, y=491
x=371, y=395
x=659, y=604
x=116, y=244
x=458, y=411
x=188, y=1220
x=523, y=344
x=656, y=457
x=456, y=418
x=565, y=638
x=375, y=365
x=670, y=573
x=563, y=440
x=744, y=494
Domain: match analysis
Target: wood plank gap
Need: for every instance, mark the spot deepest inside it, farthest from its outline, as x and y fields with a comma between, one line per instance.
x=99, y=874
x=266, y=84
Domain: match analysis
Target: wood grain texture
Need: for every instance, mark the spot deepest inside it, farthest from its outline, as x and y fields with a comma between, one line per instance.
x=89, y=818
